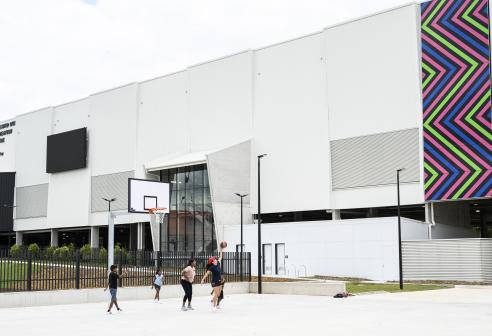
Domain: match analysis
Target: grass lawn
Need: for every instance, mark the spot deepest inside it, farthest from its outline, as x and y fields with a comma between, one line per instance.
x=361, y=287
x=10, y=273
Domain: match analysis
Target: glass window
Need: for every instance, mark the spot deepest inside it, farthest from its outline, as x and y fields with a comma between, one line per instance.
x=188, y=180
x=191, y=221
x=198, y=174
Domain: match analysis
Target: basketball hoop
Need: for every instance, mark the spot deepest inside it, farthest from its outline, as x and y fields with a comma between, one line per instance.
x=159, y=213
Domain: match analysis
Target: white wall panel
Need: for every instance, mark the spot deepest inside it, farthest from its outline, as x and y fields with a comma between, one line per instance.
x=30, y=147
x=291, y=126
x=220, y=102
x=68, y=198
x=410, y=193
x=71, y=116
x=112, y=125
x=69, y=192
x=364, y=248
x=35, y=223
x=163, y=125
x=374, y=74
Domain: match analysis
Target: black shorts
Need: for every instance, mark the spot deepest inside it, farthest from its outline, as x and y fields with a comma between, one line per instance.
x=157, y=287
x=216, y=284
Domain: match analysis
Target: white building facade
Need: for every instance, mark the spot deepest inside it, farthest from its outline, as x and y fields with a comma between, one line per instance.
x=337, y=113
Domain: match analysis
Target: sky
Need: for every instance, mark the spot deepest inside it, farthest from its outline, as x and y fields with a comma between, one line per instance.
x=56, y=51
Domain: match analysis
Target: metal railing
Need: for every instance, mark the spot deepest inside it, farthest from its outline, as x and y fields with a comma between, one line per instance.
x=25, y=271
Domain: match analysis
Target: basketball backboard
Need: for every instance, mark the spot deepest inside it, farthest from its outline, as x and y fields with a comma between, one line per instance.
x=144, y=195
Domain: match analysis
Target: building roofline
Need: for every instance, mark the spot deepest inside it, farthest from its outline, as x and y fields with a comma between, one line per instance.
x=339, y=24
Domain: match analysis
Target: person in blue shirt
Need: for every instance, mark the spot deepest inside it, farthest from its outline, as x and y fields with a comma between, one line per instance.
x=158, y=281
x=213, y=269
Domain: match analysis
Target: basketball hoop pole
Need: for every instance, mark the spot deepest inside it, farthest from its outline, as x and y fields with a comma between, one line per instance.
x=110, y=232
x=110, y=239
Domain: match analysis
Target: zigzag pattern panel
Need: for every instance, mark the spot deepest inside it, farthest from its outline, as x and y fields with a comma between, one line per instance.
x=456, y=99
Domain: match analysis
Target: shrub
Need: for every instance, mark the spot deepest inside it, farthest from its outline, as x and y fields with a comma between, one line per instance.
x=34, y=249
x=103, y=253
x=62, y=252
x=50, y=251
x=86, y=251
x=71, y=248
x=16, y=250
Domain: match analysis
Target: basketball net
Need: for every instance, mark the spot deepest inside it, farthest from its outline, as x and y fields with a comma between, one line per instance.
x=156, y=218
x=158, y=213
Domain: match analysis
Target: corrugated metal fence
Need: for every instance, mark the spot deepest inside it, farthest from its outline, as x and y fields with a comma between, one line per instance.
x=468, y=259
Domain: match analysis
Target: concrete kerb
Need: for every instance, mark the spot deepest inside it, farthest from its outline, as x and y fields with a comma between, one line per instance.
x=312, y=288
x=95, y=295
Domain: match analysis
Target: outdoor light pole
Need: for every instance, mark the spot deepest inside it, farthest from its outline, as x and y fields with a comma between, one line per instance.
x=400, y=264
x=10, y=231
x=110, y=232
x=241, y=256
x=259, y=225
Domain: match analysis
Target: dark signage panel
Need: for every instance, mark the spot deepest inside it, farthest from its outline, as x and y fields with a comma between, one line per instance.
x=67, y=151
x=7, y=186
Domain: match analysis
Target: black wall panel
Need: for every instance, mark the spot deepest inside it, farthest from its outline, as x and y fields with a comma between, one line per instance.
x=7, y=187
x=66, y=151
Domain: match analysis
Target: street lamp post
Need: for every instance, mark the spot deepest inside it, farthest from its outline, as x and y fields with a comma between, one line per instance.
x=259, y=225
x=110, y=232
x=241, y=246
x=400, y=263
x=10, y=231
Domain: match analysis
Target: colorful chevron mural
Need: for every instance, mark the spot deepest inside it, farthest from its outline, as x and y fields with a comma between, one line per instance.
x=456, y=87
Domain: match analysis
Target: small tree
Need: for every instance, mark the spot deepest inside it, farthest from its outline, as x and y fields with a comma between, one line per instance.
x=16, y=250
x=103, y=253
x=50, y=251
x=33, y=249
x=62, y=252
x=71, y=248
x=86, y=251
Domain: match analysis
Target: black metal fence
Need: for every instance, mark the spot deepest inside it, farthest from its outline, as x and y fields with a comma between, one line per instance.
x=25, y=271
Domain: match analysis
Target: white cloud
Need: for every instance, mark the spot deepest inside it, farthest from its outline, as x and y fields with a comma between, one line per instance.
x=54, y=51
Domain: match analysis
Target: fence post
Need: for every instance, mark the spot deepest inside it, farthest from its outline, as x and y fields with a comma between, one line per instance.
x=159, y=260
x=29, y=271
x=120, y=268
x=240, y=265
x=77, y=269
x=249, y=266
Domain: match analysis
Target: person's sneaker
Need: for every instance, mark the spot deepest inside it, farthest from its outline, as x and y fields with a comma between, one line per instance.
x=184, y=308
x=190, y=308
x=109, y=312
x=120, y=310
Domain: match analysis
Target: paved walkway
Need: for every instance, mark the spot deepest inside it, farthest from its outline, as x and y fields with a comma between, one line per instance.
x=459, y=311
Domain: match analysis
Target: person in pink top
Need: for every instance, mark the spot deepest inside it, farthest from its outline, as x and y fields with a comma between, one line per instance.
x=187, y=278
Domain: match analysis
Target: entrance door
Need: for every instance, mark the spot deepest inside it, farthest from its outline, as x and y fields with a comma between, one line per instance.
x=280, y=259
x=267, y=259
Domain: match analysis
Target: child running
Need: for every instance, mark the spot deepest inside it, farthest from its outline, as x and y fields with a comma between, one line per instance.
x=213, y=268
x=187, y=278
x=158, y=280
x=113, y=278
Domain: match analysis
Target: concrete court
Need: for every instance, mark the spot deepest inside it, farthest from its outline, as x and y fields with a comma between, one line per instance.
x=458, y=311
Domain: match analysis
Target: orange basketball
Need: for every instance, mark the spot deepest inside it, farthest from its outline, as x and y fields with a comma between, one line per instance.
x=223, y=244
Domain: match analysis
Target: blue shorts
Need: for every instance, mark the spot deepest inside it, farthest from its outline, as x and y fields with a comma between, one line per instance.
x=113, y=291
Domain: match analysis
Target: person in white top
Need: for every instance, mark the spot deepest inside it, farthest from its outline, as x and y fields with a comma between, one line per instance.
x=158, y=281
x=187, y=278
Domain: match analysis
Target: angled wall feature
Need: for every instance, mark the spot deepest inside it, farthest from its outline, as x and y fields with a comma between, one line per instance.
x=229, y=173
x=456, y=99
